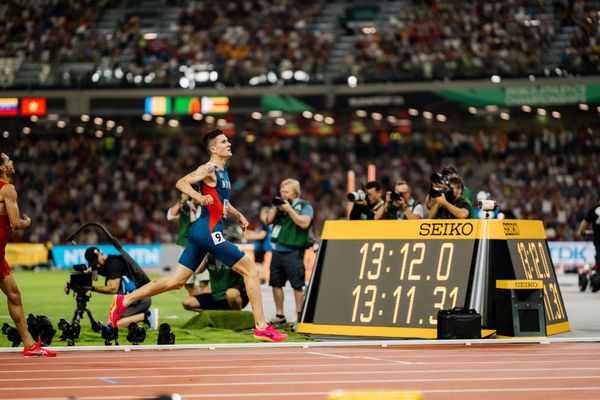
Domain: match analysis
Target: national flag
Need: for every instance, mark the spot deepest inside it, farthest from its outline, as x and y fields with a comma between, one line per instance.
x=33, y=106
x=9, y=106
x=215, y=105
x=157, y=105
x=187, y=105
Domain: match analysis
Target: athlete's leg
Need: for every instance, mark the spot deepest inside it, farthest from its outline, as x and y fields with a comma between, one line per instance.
x=125, y=321
x=160, y=285
x=246, y=268
x=15, y=308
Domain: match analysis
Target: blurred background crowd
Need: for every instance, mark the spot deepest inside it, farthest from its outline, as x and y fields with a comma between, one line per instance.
x=537, y=170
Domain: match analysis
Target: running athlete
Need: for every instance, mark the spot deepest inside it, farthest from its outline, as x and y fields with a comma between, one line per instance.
x=11, y=219
x=206, y=236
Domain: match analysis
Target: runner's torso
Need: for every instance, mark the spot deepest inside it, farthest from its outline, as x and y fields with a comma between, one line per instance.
x=4, y=221
x=215, y=212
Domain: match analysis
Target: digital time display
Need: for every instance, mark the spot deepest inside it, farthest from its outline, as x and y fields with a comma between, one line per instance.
x=531, y=260
x=393, y=283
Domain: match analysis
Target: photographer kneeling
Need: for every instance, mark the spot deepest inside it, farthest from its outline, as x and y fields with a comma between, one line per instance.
x=399, y=204
x=118, y=280
x=449, y=203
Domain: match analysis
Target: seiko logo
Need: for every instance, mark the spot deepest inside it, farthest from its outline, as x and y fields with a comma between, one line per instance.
x=511, y=229
x=526, y=285
x=446, y=229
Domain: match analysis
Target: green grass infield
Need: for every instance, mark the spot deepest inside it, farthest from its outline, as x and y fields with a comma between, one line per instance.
x=43, y=293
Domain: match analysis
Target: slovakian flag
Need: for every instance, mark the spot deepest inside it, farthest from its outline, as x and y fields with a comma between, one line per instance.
x=215, y=105
x=33, y=106
x=9, y=106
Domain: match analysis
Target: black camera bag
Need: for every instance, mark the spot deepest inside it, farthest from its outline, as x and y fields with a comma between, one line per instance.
x=458, y=323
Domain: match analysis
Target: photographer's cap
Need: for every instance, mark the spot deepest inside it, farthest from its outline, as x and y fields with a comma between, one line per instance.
x=91, y=256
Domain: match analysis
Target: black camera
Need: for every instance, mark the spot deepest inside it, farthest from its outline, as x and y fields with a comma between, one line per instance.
x=136, y=334
x=41, y=327
x=435, y=192
x=80, y=281
x=278, y=200
x=356, y=196
x=165, y=336
x=70, y=331
x=12, y=334
x=394, y=196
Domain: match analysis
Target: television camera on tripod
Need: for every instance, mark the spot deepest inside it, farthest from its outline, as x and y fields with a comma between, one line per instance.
x=81, y=283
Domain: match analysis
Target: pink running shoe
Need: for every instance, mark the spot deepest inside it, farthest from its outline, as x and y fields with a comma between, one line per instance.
x=38, y=351
x=269, y=334
x=116, y=310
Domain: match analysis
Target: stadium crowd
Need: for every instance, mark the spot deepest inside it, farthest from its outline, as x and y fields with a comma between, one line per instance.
x=268, y=40
x=128, y=183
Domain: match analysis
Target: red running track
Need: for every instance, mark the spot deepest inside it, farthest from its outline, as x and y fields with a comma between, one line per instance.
x=500, y=371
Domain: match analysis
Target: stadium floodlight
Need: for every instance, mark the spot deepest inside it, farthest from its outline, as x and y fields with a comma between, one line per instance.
x=98, y=121
x=319, y=117
x=491, y=108
x=80, y=129
x=496, y=78
x=505, y=116
x=427, y=115
x=352, y=81
x=150, y=36
x=307, y=114
x=275, y=113
x=256, y=115
x=526, y=109
x=120, y=129
x=301, y=76
x=197, y=117
x=329, y=120
x=541, y=111
x=221, y=122
x=85, y=117
x=280, y=121
x=413, y=112
x=532, y=78
x=441, y=118
x=5, y=134
x=377, y=116
x=287, y=74
x=99, y=133
x=472, y=110
x=214, y=75
x=34, y=118
x=210, y=119
x=160, y=120
x=391, y=119
x=61, y=124
x=110, y=124
x=173, y=123
x=147, y=117
x=361, y=113
x=271, y=77
x=556, y=114
x=583, y=107
x=26, y=130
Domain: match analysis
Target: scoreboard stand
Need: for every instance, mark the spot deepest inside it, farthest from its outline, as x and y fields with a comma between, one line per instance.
x=390, y=278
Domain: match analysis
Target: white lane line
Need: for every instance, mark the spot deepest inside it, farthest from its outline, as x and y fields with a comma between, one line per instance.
x=392, y=361
x=328, y=355
x=312, y=382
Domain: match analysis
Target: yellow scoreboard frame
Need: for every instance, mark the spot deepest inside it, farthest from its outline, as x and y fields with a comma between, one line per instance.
x=389, y=278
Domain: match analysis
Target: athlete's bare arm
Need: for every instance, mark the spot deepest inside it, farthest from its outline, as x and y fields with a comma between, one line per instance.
x=239, y=216
x=9, y=196
x=204, y=172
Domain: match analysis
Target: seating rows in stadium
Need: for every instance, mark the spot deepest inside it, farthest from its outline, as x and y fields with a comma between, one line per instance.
x=173, y=43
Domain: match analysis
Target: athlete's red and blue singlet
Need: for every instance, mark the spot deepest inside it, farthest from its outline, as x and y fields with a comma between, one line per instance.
x=206, y=234
x=4, y=234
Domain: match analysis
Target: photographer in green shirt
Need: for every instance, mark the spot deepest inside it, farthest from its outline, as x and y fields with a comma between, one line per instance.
x=292, y=218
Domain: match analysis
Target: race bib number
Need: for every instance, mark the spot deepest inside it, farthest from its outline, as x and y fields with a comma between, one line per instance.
x=225, y=207
x=276, y=230
x=217, y=237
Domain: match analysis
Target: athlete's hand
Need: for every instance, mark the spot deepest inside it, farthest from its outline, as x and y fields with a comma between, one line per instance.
x=243, y=223
x=26, y=221
x=206, y=200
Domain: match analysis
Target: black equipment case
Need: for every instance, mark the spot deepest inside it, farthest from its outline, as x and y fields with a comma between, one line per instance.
x=458, y=323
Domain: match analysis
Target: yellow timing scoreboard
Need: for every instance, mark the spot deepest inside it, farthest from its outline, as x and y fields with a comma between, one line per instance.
x=390, y=278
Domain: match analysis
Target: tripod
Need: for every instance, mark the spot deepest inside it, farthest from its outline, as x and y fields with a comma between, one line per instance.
x=70, y=331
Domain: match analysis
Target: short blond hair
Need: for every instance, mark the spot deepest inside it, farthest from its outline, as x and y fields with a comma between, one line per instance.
x=294, y=184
